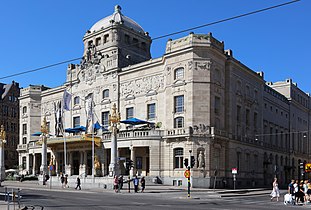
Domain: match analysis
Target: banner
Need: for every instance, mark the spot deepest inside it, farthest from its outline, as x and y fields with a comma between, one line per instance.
x=66, y=99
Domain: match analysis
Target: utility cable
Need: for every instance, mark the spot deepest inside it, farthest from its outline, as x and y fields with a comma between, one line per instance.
x=163, y=36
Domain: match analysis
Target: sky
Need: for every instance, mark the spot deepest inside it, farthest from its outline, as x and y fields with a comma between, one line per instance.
x=36, y=34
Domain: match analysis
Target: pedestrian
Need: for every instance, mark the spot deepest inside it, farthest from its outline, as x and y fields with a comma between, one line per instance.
x=136, y=183
x=296, y=190
x=66, y=181
x=275, y=190
x=115, y=183
x=120, y=182
x=309, y=191
x=305, y=191
x=143, y=184
x=62, y=180
x=78, y=182
x=301, y=194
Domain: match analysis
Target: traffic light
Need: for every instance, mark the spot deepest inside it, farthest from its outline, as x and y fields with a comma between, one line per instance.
x=129, y=164
x=192, y=162
x=186, y=162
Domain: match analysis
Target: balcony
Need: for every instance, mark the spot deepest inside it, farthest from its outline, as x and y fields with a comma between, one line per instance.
x=22, y=147
x=135, y=134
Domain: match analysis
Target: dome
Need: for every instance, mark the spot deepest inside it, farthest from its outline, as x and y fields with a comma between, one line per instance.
x=116, y=17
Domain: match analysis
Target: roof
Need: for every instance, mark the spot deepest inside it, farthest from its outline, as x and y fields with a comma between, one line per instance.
x=116, y=17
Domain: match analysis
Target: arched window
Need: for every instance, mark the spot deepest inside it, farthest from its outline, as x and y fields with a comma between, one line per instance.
x=24, y=109
x=178, y=157
x=105, y=93
x=179, y=73
x=179, y=122
x=24, y=140
x=76, y=100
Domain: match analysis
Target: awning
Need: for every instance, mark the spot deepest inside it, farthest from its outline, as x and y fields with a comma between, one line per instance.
x=135, y=121
x=75, y=129
x=37, y=133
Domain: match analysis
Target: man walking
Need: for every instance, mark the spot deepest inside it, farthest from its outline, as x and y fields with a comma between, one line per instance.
x=78, y=184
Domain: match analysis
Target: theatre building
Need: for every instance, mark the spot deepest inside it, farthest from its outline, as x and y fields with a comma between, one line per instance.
x=196, y=100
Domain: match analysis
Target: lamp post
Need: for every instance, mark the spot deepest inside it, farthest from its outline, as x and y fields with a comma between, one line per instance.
x=114, y=120
x=2, y=142
x=44, y=133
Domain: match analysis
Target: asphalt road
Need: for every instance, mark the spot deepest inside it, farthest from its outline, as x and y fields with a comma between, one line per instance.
x=80, y=200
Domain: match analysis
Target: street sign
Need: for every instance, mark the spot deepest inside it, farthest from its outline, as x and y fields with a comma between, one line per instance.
x=187, y=173
x=308, y=167
x=51, y=167
x=234, y=170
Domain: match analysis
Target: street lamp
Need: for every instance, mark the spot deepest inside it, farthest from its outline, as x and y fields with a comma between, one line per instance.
x=114, y=120
x=44, y=134
x=2, y=142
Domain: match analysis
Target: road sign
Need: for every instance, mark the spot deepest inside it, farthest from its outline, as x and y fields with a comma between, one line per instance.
x=308, y=167
x=51, y=167
x=187, y=173
x=234, y=170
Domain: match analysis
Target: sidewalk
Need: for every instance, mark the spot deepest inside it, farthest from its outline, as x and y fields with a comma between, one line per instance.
x=154, y=189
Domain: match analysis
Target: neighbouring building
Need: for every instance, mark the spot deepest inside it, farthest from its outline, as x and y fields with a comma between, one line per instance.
x=9, y=118
x=200, y=100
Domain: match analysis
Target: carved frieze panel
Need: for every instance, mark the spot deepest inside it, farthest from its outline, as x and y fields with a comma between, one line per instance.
x=142, y=85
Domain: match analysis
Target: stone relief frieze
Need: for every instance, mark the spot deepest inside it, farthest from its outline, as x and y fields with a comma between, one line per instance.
x=142, y=86
x=201, y=129
x=202, y=65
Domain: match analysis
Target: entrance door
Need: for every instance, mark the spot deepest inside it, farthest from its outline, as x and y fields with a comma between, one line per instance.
x=76, y=163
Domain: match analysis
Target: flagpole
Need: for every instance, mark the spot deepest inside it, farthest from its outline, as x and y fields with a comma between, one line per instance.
x=93, y=145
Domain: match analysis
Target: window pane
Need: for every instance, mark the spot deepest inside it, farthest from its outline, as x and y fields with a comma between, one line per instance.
x=178, y=157
x=76, y=122
x=151, y=111
x=76, y=100
x=179, y=122
x=129, y=112
x=179, y=103
x=105, y=119
x=106, y=93
x=179, y=73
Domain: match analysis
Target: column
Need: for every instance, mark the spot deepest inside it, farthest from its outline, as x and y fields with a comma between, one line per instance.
x=56, y=156
x=113, y=166
x=44, y=168
x=133, y=158
x=85, y=163
x=33, y=163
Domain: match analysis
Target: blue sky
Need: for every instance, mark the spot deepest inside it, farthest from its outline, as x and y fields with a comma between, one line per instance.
x=36, y=34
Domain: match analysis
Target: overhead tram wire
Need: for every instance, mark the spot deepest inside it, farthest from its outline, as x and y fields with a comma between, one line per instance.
x=163, y=36
x=226, y=19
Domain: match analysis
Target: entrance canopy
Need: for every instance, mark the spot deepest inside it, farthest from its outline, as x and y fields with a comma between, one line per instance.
x=75, y=129
x=135, y=121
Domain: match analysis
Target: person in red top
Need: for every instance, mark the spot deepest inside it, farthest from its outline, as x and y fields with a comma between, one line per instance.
x=115, y=184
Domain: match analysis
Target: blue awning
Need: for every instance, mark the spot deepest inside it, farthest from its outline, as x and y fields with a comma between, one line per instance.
x=76, y=129
x=37, y=133
x=135, y=121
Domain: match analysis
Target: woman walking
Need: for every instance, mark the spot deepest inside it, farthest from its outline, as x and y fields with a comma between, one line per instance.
x=275, y=190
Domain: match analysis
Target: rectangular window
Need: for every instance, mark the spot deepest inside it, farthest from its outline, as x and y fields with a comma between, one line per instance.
x=24, y=129
x=179, y=104
x=127, y=39
x=178, y=156
x=129, y=112
x=238, y=160
x=238, y=113
x=98, y=41
x=76, y=121
x=217, y=105
x=24, y=163
x=105, y=119
x=106, y=38
x=247, y=117
x=255, y=120
x=151, y=111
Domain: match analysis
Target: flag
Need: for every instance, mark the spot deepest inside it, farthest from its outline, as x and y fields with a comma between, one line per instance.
x=66, y=99
x=89, y=108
